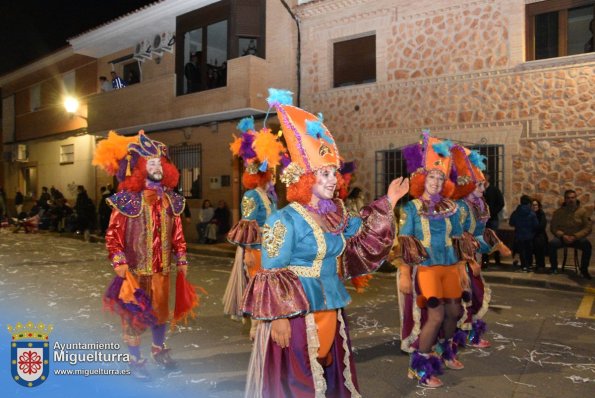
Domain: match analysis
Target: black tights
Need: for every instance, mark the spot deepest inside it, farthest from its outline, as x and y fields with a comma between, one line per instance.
x=445, y=315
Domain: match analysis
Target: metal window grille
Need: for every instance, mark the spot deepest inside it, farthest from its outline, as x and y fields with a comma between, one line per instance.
x=390, y=164
x=188, y=159
x=494, y=163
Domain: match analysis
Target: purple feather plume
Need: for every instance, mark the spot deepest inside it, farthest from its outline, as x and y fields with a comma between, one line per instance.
x=413, y=157
x=460, y=338
x=347, y=168
x=479, y=327
x=445, y=350
x=246, y=151
x=424, y=367
x=285, y=160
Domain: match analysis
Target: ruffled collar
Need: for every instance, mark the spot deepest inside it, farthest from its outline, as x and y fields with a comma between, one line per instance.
x=437, y=210
x=479, y=207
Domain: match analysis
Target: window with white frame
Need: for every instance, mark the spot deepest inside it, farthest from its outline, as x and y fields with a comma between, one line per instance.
x=67, y=154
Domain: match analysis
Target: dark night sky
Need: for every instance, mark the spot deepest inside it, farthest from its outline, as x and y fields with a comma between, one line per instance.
x=31, y=29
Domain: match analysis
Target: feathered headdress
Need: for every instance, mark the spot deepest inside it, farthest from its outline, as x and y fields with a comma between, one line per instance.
x=429, y=154
x=118, y=154
x=309, y=143
x=260, y=150
x=467, y=171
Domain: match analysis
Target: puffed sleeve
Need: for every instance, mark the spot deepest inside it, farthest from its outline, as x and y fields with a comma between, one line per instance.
x=412, y=251
x=367, y=249
x=114, y=238
x=275, y=291
x=247, y=232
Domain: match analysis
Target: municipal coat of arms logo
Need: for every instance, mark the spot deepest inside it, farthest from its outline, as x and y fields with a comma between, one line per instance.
x=30, y=353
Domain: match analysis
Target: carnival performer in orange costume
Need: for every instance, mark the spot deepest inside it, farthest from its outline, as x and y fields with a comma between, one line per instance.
x=144, y=234
x=434, y=249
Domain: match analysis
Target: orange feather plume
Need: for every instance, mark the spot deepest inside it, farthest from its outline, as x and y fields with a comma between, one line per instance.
x=111, y=150
x=234, y=147
x=267, y=147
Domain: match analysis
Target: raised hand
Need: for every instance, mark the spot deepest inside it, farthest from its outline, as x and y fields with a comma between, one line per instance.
x=397, y=189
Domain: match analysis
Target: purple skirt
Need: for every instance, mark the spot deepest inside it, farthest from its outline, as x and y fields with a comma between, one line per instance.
x=294, y=371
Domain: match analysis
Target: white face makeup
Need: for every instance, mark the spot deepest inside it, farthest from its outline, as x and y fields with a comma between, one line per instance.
x=326, y=182
x=434, y=182
x=154, y=169
x=479, y=189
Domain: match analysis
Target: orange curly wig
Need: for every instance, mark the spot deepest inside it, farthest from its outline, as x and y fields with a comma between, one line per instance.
x=417, y=184
x=301, y=191
x=136, y=182
x=251, y=181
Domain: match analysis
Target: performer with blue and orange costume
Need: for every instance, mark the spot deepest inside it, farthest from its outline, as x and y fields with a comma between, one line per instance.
x=302, y=345
x=433, y=246
x=469, y=183
x=261, y=152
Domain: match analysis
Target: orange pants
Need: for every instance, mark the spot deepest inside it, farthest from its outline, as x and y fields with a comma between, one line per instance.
x=255, y=254
x=326, y=323
x=440, y=281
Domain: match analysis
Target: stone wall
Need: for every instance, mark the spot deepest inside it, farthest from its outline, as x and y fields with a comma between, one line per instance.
x=457, y=68
x=546, y=168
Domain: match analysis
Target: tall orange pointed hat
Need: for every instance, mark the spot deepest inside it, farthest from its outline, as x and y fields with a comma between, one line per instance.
x=430, y=153
x=310, y=144
x=466, y=171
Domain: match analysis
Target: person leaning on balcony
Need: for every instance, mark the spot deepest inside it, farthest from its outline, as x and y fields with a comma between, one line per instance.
x=570, y=226
x=104, y=85
x=117, y=81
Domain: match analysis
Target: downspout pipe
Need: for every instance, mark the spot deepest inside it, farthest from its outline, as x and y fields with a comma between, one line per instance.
x=299, y=51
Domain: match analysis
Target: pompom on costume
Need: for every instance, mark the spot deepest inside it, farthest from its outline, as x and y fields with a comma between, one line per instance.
x=433, y=244
x=261, y=152
x=304, y=266
x=145, y=232
x=466, y=174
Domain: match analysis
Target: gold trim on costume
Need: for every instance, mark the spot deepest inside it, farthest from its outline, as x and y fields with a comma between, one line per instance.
x=448, y=240
x=425, y=224
x=273, y=238
x=165, y=253
x=314, y=270
x=147, y=268
x=248, y=206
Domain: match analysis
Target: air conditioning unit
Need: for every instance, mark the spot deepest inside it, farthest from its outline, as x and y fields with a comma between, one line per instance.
x=142, y=50
x=164, y=42
x=20, y=153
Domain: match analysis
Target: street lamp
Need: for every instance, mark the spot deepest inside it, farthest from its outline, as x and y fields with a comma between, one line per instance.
x=71, y=105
